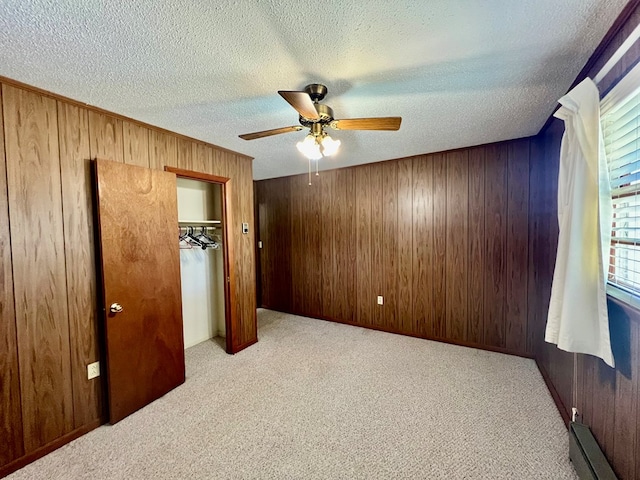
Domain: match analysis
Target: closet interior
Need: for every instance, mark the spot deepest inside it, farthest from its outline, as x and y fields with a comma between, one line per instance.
x=200, y=225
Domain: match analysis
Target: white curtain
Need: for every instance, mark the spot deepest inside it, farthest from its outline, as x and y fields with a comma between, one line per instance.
x=578, y=320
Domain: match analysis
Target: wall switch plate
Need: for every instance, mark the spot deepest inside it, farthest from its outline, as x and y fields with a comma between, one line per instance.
x=93, y=370
x=380, y=300
x=260, y=244
x=245, y=227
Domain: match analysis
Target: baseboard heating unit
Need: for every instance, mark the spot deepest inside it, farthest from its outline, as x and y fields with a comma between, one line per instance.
x=586, y=456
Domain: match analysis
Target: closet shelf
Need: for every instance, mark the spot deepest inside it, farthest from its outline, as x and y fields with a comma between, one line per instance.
x=197, y=223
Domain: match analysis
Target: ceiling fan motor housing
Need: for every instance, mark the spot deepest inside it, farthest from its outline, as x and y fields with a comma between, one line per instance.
x=325, y=113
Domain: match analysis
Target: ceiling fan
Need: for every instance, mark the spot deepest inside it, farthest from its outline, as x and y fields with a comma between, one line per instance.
x=316, y=117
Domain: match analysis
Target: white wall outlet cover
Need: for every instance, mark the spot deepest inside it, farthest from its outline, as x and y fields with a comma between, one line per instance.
x=260, y=244
x=93, y=370
x=245, y=227
x=380, y=300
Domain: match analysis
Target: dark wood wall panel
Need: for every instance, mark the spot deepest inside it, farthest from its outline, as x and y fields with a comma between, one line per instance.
x=39, y=277
x=476, y=268
x=389, y=243
x=344, y=242
x=363, y=266
x=557, y=365
x=457, y=250
x=328, y=214
x=307, y=278
x=297, y=249
x=51, y=333
x=276, y=294
x=625, y=403
x=543, y=230
x=413, y=231
x=314, y=239
x=608, y=398
x=77, y=207
x=377, y=244
x=439, y=226
x=338, y=251
x=406, y=247
x=423, y=246
x=282, y=238
x=517, y=237
x=495, y=264
x=10, y=408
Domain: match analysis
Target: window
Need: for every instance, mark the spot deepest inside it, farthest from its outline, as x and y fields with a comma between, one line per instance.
x=621, y=130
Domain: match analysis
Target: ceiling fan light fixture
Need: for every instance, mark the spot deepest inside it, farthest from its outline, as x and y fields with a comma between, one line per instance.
x=310, y=148
x=329, y=146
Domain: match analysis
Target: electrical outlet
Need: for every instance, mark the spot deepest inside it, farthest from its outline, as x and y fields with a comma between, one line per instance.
x=575, y=414
x=380, y=300
x=93, y=370
x=260, y=244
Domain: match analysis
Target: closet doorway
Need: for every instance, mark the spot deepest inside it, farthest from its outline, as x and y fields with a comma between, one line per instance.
x=205, y=257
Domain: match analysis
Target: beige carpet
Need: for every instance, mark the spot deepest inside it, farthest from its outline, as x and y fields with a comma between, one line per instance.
x=318, y=400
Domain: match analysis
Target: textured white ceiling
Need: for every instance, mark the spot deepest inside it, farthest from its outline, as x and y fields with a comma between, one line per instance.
x=460, y=73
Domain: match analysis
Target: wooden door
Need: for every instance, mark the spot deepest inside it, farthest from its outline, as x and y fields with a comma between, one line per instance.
x=140, y=263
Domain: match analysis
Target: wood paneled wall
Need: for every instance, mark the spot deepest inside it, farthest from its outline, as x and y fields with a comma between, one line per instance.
x=608, y=399
x=49, y=326
x=556, y=364
x=442, y=237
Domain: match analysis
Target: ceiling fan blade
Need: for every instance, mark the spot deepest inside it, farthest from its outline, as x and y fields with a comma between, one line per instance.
x=268, y=133
x=302, y=102
x=377, y=123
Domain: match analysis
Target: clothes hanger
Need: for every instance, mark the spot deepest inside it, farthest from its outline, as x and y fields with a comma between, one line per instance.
x=205, y=238
x=194, y=239
x=183, y=242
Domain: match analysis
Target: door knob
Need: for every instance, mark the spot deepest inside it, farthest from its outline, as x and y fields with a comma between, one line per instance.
x=116, y=308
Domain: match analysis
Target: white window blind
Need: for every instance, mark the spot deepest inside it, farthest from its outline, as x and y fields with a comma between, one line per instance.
x=621, y=130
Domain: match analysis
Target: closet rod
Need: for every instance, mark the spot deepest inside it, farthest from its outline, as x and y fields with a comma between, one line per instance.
x=199, y=227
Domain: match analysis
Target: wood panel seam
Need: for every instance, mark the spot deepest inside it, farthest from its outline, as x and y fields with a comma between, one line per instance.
x=64, y=252
x=10, y=243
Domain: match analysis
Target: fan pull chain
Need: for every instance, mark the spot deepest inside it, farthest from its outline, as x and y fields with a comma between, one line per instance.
x=317, y=162
x=309, y=171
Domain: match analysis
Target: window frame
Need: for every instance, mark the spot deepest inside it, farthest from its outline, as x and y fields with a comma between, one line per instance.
x=625, y=89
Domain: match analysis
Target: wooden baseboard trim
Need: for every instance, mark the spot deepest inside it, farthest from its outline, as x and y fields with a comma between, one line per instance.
x=18, y=463
x=564, y=413
x=459, y=343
